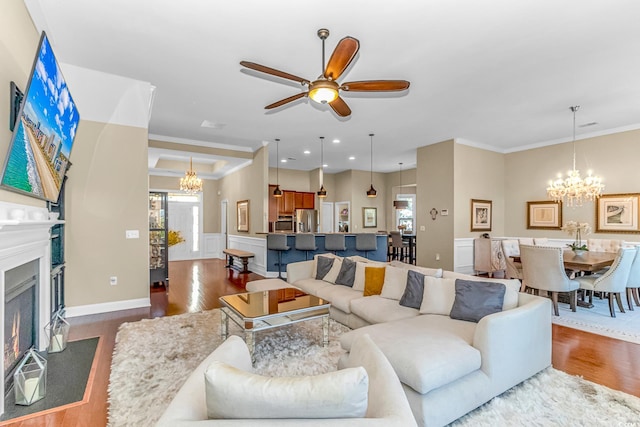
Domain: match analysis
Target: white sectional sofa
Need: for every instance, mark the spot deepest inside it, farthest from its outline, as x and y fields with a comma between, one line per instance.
x=447, y=366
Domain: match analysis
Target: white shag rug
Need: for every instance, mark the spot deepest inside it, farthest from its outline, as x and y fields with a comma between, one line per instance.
x=153, y=357
x=598, y=320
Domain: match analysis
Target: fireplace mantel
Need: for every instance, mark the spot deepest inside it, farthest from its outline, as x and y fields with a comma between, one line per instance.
x=25, y=235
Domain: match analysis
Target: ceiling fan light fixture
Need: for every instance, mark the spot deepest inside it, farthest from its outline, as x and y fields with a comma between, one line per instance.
x=323, y=91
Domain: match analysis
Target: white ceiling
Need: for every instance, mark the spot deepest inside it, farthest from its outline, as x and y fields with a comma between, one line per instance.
x=499, y=74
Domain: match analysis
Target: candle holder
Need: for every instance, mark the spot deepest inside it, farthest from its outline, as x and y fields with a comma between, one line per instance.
x=30, y=379
x=57, y=331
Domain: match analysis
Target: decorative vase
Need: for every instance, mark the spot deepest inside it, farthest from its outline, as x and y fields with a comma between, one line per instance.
x=578, y=252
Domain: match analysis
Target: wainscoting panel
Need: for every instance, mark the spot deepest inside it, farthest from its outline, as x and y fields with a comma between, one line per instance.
x=213, y=244
x=463, y=255
x=256, y=245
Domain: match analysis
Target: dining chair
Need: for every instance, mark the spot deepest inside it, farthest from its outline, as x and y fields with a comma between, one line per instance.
x=633, y=283
x=543, y=270
x=613, y=281
x=526, y=241
x=540, y=241
x=398, y=246
x=510, y=249
x=604, y=245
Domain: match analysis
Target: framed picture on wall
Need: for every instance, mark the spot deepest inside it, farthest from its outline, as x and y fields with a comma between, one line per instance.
x=243, y=215
x=544, y=215
x=480, y=215
x=618, y=213
x=369, y=217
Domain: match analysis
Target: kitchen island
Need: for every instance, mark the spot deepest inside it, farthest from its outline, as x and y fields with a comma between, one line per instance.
x=293, y=255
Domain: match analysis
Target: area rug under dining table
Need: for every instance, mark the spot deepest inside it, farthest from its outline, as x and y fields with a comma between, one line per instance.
x=153, y=357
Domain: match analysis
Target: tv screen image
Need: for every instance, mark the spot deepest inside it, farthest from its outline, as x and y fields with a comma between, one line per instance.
x=39, y=152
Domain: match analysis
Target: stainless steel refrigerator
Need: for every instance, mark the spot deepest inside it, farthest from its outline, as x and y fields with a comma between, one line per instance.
x=306, y=221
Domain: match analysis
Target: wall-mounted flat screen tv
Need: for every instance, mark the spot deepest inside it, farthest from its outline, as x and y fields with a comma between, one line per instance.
x=43, y=135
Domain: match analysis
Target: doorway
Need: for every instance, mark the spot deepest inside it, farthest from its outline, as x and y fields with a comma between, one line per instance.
x=186, y=219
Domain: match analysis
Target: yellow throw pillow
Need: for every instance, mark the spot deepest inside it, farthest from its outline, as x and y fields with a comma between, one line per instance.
x=373, y=280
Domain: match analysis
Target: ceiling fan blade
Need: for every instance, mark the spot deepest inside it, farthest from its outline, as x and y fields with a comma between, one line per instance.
x=341, y=57
x=273, y=72
x=340, y=107
x=286, y=100
x=375, y=85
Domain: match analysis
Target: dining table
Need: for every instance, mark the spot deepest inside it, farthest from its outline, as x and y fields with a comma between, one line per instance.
x=588, y=261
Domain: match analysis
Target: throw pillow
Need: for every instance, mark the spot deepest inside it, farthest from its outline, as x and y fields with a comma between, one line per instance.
x=347, y=273
x=373, y=280
x=414, y=291
x=439, y=295
x=395, y=281
x=358, y=282
x=324, y=264
x=474, y=300
x=339, y=394
x=332, y=275
x=510, y=295
x=427, y=271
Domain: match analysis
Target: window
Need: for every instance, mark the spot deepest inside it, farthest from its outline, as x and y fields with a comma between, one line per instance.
x=404, y=217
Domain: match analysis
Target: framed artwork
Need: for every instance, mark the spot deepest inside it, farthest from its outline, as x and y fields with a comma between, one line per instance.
x=480, y=215
x=369, y=217
x=618, y=213
x=544, y=215
x=243, y=215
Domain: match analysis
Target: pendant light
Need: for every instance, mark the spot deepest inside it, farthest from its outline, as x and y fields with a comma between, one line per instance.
x=573, y=187
x=400, y=204
x=322, y=193
x=190, y=183
x=372, y=191
x=277, y=192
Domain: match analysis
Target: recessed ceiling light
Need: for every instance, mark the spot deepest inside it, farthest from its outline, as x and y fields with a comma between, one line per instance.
x=336, y=141
x=283, y=161
x=307, y=152
x=324, y=166
x=352, y=158
x=212, y=125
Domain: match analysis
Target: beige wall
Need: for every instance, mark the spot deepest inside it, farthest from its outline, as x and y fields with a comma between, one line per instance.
x=210, y=199
x=360, y=183
x=18, y=44
x=479, y=174
x=249, y=183
x=527, y=173
x=435, y=187
x=106, y=194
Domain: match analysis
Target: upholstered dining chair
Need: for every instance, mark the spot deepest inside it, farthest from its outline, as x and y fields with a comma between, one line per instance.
x=613, y=281
x=633, y=283
x=510, y=249
x=540, y=241
x=604, y=245
x=543, y=270
x=526, y=240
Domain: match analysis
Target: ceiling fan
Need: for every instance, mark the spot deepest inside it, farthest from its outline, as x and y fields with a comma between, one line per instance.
x=325, y=89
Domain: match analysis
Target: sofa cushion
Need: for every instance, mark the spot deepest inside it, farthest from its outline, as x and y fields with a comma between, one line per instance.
x=373, y=280
x=511, y=292
x=427, y=271
x=438, y=297
x=315, y=261
x=339, y=296
x=395, y=281
x=375, y=309
x=347, y=273
x=323, y=265
x=311, y=286
x=424, y=364
x=474, y=300
x=414, y=291
x=358, y=282
x=234, y=393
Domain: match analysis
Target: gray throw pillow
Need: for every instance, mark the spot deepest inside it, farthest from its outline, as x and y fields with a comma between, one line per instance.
x=324, y=265
x=414, y=290
x=474, y=300
x=347, y=273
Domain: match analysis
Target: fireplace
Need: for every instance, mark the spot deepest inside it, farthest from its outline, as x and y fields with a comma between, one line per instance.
x=20, y=314
x=25, y=281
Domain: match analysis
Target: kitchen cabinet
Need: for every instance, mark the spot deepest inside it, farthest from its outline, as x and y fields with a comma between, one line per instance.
x=305, y=200
x=287, y=203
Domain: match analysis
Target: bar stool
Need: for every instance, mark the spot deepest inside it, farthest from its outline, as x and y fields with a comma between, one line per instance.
x=366, y=242
x=278, y=242
x=306, y=242
x=335, y=243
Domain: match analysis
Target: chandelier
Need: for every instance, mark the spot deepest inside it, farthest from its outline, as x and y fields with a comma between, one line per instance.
x=575, y=189
x=190, y=183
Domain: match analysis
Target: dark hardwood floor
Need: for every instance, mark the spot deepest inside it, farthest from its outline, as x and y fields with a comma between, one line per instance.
x=196, y=286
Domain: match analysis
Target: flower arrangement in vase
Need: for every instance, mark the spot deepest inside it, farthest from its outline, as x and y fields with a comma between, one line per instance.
x=175, y=237
x=577, y=229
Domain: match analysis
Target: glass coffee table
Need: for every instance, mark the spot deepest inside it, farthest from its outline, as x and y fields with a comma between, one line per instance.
x=259, y=311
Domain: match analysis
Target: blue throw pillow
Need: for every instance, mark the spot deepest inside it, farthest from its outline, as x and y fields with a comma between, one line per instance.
x=474, y=300
x=324, y=264
x=347, y=274
x=414, y=290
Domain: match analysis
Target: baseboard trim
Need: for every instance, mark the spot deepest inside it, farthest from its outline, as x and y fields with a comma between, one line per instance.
x=105, y=307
